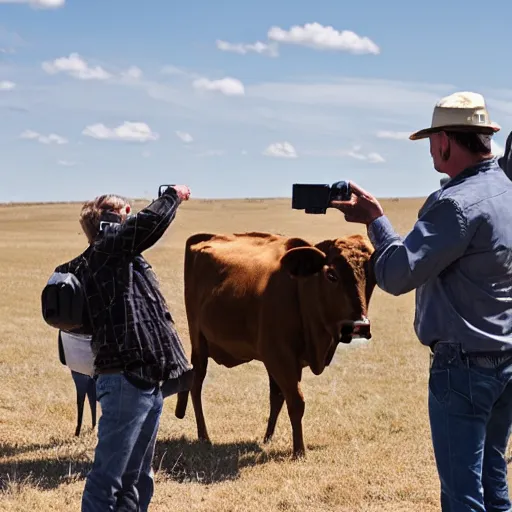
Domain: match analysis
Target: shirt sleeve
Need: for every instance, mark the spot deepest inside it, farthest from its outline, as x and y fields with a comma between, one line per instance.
x=438, y=238
x=139, y=232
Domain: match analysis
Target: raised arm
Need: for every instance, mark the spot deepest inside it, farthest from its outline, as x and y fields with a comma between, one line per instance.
x=140, y=231
x=438, y=238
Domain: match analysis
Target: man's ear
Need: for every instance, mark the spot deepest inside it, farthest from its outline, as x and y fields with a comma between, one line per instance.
x=303, y=261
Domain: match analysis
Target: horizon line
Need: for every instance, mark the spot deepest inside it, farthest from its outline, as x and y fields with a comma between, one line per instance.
x=217, y=199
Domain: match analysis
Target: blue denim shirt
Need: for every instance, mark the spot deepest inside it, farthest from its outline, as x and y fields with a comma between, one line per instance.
x=458, y=257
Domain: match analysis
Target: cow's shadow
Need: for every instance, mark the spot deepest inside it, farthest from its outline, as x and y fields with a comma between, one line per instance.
x=184, y=460
x=180, y=459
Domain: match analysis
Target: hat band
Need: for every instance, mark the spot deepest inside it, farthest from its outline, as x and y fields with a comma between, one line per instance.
x=443, y=116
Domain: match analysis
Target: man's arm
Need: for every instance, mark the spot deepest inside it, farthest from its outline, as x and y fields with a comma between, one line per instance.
x=438, y=238
x=139, y=232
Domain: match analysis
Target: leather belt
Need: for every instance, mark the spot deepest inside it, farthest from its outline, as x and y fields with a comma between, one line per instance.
x=481, y=359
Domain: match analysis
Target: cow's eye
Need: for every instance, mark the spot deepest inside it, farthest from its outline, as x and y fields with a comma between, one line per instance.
x=331, y=275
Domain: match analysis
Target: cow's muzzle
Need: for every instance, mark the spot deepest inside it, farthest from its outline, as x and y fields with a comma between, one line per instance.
x=357, y=329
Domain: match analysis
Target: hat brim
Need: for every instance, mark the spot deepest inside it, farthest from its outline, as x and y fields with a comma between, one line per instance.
x=484, y=129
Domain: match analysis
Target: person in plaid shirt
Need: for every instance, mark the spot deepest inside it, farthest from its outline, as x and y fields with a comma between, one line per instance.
x=135, y=345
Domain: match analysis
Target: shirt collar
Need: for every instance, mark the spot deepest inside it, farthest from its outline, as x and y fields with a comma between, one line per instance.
x=485, y=165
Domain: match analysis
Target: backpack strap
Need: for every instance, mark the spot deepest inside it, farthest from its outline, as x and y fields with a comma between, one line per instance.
x=62, y=356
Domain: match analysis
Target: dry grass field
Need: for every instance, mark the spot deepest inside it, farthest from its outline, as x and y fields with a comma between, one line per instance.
x=365, y=426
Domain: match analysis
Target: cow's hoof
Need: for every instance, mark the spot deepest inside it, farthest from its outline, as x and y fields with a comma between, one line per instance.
x=299, y=455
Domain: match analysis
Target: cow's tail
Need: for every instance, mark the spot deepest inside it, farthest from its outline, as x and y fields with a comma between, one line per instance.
x=181, y=404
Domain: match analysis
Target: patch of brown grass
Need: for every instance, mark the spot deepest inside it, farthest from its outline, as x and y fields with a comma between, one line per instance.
x=366, y=424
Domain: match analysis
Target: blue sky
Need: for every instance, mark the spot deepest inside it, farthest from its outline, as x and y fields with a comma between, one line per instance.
x=235, y=100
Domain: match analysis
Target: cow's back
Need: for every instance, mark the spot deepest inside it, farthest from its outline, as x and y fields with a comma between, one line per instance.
x=231, y=284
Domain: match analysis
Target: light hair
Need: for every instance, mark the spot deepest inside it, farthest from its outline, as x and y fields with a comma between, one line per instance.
x=93, y=210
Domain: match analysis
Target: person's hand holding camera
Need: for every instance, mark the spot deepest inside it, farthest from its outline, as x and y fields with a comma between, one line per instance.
x=183, y=192
x=362, y=207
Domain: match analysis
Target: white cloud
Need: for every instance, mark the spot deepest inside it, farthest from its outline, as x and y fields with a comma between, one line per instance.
x=40, y=4
x=354, y=152
x=377, y=95
x=243, y=49
x=177, y=72
x=132, y=72
x=184, y=136
x=76, y=67
x=7, y=86
x=496, y=149
x=172, y=70
x=315, y=35
x=66, y=163
x=393, y=135
x=373, y=158
x=52, y=138
x=227, y=86
x=281, y=150
x=128, y=131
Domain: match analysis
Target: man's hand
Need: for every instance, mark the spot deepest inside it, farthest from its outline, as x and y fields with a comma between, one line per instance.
x=183, y=192
x=362, y=206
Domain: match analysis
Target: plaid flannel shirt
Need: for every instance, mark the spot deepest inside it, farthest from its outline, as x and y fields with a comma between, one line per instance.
x=132, y=328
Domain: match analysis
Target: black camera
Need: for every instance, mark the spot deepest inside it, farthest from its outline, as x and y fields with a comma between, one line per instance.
x=314, y=198
x=109, y=219
x=163, y=188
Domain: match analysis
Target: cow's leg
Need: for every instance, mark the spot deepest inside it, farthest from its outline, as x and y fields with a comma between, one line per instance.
x=296, y=407
x=81, y=384
x=276, y=404
x=199, y=359
x=288, y=380
x=91, y=396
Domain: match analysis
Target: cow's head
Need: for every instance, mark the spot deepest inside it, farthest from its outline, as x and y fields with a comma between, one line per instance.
x=339, y=276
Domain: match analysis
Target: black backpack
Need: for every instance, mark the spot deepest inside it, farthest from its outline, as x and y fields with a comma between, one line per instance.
x=63, y=302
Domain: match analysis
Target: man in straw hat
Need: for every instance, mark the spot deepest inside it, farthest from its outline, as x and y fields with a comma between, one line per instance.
x=458, y=257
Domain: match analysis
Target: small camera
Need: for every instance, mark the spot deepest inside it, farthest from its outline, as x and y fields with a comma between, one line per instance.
x=109, y=219
x=316, y=198
x=162, y=189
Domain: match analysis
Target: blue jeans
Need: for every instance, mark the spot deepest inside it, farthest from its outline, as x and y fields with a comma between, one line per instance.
x=470, y=409
x=121, y=478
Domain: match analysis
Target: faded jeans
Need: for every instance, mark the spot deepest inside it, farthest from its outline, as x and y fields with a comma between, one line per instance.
x=470, y=409
x=121, y=478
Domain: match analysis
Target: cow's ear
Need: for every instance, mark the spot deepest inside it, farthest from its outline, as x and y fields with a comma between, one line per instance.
x=303, y=261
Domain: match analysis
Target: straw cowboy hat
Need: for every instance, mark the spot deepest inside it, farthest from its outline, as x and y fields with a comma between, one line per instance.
x=461, y=111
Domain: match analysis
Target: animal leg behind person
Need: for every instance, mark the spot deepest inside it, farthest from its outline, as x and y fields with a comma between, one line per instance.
x=276, y=404
x=85, y=386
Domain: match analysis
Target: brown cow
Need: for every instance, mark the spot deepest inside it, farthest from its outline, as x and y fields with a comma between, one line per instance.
x=274, y=299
